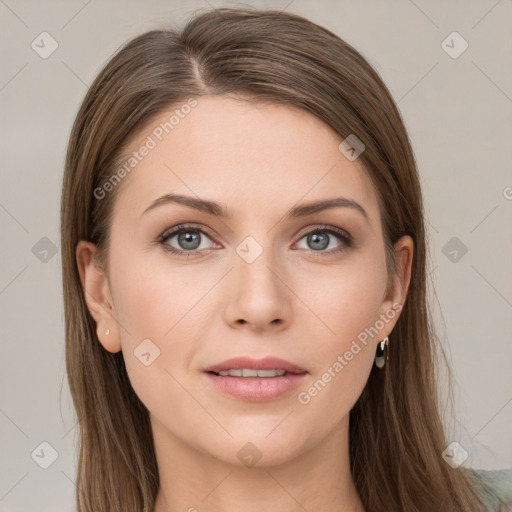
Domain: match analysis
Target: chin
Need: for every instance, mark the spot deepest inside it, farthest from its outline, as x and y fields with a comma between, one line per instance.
x=258, y=449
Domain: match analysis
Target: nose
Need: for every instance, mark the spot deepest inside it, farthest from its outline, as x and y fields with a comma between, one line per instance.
x=258, y=294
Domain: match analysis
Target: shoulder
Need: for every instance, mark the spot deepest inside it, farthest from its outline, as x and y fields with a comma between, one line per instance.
x=496, y=488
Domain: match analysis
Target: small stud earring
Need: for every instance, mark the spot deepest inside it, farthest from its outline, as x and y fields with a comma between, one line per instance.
x=381, y=355
x=108, y=332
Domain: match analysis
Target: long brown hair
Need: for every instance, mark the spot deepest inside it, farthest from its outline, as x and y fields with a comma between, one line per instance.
x=396, y=432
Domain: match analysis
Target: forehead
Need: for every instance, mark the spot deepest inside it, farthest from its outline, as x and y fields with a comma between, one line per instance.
x=244, y=154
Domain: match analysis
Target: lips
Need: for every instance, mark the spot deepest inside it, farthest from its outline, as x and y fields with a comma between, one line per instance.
x=267, y=363
x=238, y=381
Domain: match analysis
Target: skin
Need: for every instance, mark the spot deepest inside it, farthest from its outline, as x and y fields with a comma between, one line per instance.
x=258, y=160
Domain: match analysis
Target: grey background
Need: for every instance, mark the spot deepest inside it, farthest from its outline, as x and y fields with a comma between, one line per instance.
x=457, y=110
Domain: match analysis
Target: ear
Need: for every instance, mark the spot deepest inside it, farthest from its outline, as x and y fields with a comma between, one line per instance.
x=399, y=283
x=97, y=296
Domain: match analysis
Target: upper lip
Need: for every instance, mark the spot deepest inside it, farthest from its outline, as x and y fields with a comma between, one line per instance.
x=267, y=363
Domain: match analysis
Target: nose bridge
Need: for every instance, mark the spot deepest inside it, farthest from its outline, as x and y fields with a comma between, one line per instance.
x=256, y=262
x=260, y=296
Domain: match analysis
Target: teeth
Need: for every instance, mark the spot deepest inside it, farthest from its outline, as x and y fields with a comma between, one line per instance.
x=249, y=372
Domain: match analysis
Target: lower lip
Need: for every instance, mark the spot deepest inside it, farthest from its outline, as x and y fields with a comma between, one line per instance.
x=257, y=389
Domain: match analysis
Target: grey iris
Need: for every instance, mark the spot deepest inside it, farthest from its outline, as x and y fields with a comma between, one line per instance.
x=189, y=237
x=321, y=239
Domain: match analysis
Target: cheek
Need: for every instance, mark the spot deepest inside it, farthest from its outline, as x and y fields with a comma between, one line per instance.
x=155, y=299
x=346, y=300
x=346, y=303
x=162, y=311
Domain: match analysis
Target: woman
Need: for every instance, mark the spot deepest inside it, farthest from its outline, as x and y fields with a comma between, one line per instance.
x=244, y=260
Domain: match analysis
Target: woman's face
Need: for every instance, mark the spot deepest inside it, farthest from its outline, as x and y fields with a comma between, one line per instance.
x=252, y=283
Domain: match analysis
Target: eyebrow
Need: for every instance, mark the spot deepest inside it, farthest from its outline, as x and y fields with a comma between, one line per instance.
x=218, y=210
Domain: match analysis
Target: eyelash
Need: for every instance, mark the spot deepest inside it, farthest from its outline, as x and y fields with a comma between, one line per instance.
x=184, y=228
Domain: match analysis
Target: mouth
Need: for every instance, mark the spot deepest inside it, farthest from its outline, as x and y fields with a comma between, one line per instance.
x=255, y=380
x=250, y=367
x=249, y=372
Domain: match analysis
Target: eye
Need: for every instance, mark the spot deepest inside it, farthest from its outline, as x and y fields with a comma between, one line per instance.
x=189, y=240
x=320, y=238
